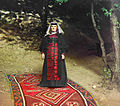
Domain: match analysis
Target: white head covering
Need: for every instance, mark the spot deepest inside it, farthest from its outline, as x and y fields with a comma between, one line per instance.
x=59, y=29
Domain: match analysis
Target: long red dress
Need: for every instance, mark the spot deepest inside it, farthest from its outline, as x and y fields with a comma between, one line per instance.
x=54, y=69
x=52, y=58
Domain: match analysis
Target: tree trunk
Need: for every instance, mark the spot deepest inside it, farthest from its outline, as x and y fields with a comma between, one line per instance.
x=99, y=35
x=115, y=38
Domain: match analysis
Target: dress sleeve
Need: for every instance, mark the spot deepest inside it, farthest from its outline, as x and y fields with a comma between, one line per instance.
x=43, y=45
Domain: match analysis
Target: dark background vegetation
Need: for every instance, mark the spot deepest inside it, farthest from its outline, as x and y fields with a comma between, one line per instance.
x=77, y=23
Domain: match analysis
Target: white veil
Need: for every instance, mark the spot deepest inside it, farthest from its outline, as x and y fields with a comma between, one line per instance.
x=59, y=29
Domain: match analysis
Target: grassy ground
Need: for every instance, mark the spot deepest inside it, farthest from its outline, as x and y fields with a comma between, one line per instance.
x=85, y=70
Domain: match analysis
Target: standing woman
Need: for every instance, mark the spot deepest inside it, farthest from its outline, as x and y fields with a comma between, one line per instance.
x=53, y=48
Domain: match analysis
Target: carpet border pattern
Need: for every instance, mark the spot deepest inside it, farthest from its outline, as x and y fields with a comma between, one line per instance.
x=18, y=97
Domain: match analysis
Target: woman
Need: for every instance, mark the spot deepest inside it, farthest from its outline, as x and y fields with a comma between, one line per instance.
x=53, y=48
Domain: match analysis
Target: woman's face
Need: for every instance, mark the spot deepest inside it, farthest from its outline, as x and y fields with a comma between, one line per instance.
x=53, y=28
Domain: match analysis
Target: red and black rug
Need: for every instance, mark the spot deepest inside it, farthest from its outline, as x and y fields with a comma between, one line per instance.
x=25, y=92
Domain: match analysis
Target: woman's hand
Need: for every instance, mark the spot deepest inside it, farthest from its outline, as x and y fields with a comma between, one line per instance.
x=43, y=56
x=63, y=56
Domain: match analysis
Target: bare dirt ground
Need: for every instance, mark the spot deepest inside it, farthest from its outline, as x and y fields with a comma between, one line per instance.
x=85, y=70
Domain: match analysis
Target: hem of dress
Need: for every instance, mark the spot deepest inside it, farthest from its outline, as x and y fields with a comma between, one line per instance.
x=45, y=85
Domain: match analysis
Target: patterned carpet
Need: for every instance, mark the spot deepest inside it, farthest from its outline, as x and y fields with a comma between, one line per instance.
x=25, y=92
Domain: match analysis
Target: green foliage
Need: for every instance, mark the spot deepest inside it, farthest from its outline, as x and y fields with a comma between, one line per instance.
x=107, y=12
x=106, y=77
x=61, y=1
x=87, y=14
x=106, y=74
x=98, y=27
x=117, y=5
x=118, y=25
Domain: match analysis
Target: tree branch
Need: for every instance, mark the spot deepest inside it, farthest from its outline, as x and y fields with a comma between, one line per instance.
x=101, y=41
